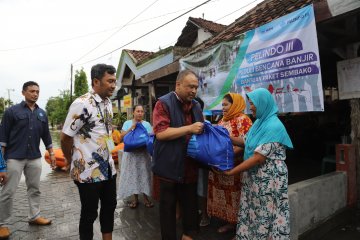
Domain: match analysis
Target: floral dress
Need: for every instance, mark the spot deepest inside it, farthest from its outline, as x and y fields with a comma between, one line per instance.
x=264, y=205
x=224, y=191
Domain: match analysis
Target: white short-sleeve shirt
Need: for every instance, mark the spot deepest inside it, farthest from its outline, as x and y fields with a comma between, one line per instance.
x=86, y=122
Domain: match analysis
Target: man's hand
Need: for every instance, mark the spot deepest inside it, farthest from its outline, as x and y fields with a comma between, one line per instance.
x=53, y=161
x=197, y=128
x=3, y=178
x=67, y=143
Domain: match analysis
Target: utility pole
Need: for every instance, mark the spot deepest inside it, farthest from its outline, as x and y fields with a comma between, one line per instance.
x=71, y=80
x=8, y=90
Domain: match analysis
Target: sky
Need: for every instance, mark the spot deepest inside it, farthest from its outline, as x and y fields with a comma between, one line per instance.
x=40, y=39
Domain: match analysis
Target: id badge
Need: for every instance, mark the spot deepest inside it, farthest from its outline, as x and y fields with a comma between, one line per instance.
x=110, y=144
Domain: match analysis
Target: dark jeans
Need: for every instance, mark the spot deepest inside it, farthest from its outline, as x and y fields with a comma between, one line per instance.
x=170, y=193
x=90, y=194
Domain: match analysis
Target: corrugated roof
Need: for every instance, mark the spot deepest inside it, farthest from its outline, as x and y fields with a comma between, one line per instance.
x=138, y=55
x=263, y=13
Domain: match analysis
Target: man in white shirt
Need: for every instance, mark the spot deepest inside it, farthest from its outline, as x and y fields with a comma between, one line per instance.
x=87, y=143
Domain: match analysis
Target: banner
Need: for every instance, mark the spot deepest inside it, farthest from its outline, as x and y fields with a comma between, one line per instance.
x=281, y=56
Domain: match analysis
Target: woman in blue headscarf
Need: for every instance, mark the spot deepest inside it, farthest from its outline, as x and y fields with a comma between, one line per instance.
x=264, y=205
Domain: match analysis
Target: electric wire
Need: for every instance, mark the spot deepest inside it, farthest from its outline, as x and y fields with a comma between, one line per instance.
x=132, y=41
x=88, y=34
x=87, y=53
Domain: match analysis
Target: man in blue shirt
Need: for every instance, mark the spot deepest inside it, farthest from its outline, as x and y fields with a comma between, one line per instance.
x=22, y=127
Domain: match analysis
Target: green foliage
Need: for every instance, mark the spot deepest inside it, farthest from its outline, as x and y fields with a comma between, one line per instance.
x=81, y=83
x=119, y=119
x=57, y=108
x=2, y=105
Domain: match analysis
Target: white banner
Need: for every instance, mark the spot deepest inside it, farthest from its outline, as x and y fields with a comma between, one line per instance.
x=281, y=56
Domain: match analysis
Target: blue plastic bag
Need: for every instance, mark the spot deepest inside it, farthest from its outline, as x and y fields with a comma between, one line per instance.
x=2, y=160
x=213, y=147
x=150, y=144
x=136, y=138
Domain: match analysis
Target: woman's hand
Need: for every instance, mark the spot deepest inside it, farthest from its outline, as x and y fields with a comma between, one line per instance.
x=227, y=172
x=237, y=141
x=123, y=133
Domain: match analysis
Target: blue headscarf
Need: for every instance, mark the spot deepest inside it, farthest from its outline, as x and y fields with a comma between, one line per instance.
x=267, y=128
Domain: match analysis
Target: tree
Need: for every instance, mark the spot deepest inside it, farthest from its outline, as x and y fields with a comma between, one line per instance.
x=57, y=108
x=81, y=83
x=2, y=105
x=5, y=103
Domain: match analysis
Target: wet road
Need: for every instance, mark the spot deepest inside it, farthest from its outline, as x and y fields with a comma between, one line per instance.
x=60, y=202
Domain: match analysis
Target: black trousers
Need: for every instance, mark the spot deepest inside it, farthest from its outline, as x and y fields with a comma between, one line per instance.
x=90, y=194
x=186, y=194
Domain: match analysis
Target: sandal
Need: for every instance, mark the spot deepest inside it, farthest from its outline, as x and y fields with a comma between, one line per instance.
x=205, y=221
x=133, y=204
x=226, y=228
x=148, y=204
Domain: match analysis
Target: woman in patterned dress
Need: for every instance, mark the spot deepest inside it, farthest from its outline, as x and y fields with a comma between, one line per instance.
x=135, y=172
x=264, y=205
x=224, y=191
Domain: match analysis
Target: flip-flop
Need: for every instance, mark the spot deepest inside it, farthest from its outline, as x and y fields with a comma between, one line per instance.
x=226, y=228
x=149, y=204
x=133, y=204
x=205, y=221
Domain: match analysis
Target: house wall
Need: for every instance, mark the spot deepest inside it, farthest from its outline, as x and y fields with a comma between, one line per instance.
x=315, y=200
x=153, y=64
x=127, y=61
x=202, y=36
x=338, y=7
x=147, y=67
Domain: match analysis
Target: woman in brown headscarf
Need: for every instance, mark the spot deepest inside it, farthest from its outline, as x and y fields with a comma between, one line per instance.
x=224, y=191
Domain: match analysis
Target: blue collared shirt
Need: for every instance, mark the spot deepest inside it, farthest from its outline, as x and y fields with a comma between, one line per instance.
x=21, y=130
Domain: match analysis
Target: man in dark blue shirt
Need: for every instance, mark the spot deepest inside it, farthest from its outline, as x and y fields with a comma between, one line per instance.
x=22, y=127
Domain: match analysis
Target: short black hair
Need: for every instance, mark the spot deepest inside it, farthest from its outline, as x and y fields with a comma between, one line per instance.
x=29, y=83
x=98, y=71
x=200, y=101
x=182, y=74
x=137, y=105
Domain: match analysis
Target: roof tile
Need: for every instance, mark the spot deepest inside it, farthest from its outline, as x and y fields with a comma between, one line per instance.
x=263, y=13
x=190, y=31
x=138, y=55
x=208, y=25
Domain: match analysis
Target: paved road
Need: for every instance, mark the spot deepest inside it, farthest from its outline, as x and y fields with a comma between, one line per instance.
x=60, y=202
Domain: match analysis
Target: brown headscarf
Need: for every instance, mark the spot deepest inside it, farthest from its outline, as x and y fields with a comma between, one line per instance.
x=237, y=108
